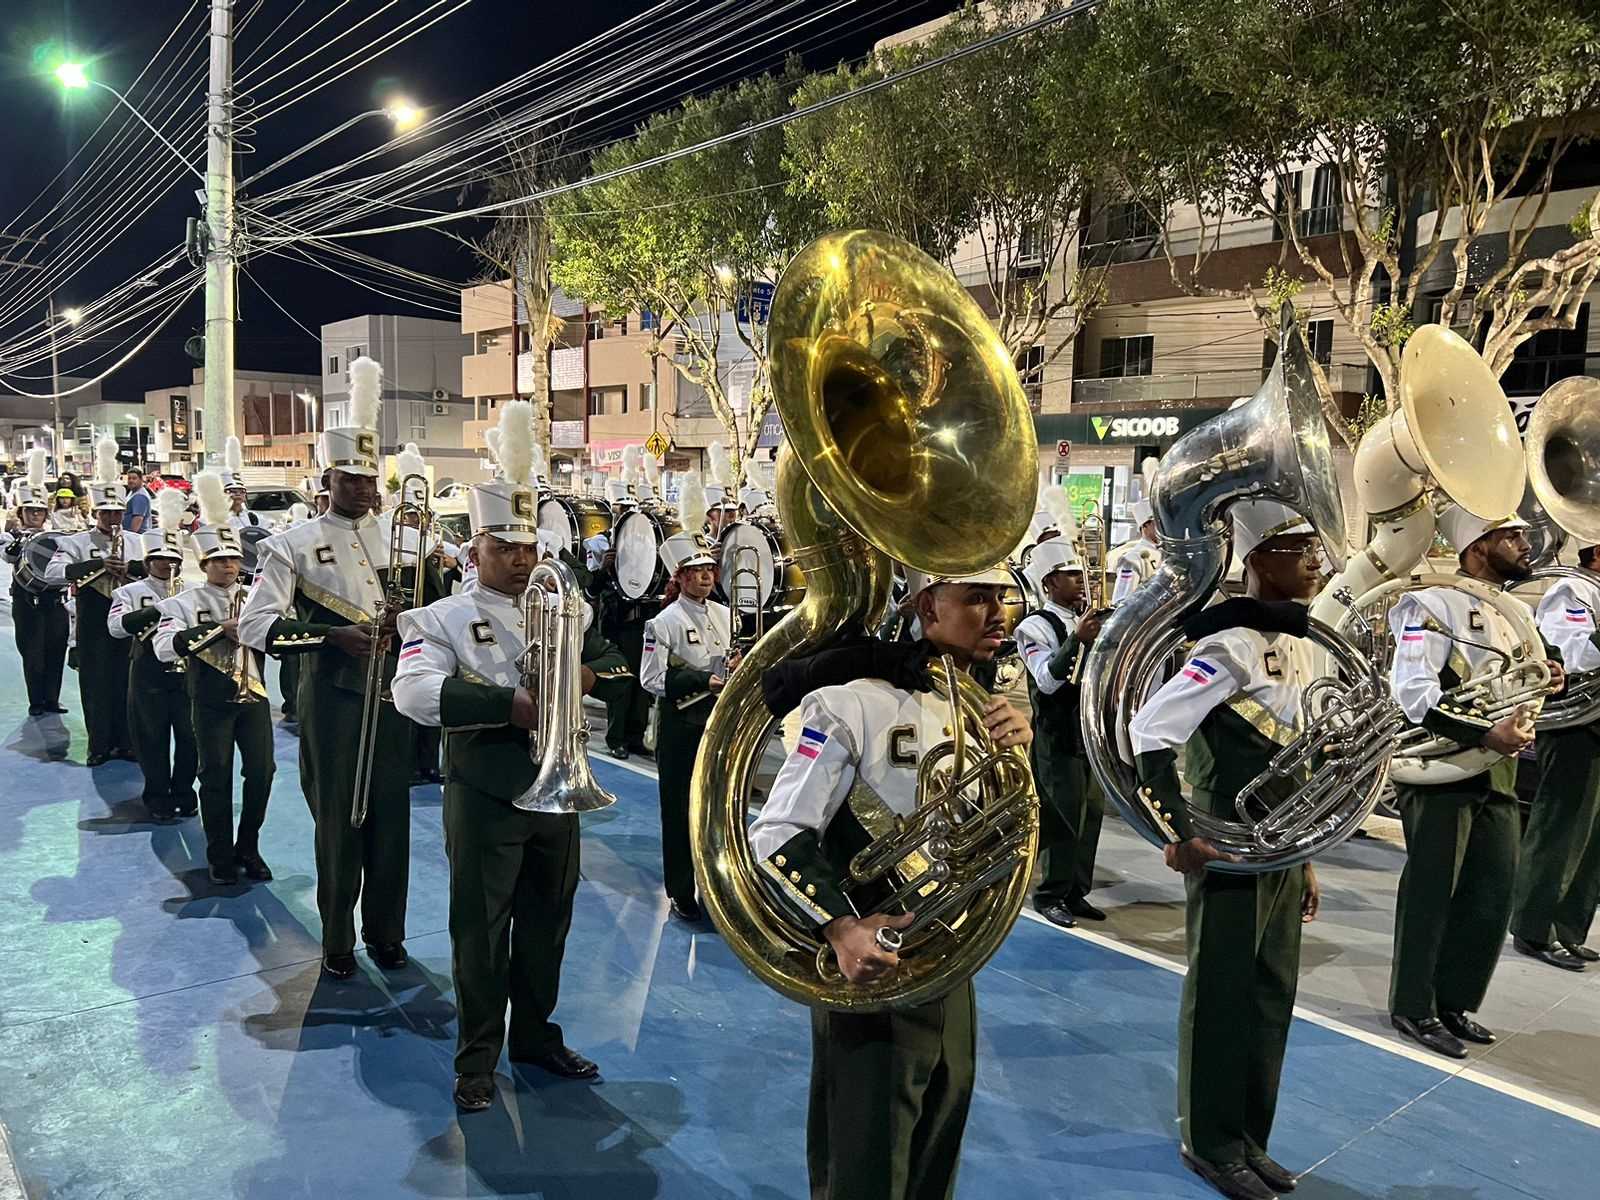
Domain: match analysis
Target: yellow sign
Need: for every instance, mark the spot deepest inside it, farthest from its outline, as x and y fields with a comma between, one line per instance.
x=656, y=444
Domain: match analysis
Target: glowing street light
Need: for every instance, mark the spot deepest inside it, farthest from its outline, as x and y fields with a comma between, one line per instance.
x=72, y=76
x=72, y=315
x=405, y=115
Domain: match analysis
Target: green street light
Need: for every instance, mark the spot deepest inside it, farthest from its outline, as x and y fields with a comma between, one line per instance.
x=72, y=76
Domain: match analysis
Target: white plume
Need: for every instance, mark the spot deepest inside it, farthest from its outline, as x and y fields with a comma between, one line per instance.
x=105, y=460
x=233, y=456
x=213, y=498
x=1148, y=469
x=491, y=443
x=37, y=458
x=717, y=458
x=1058, y=504
x=169, y=504
x=632, y=473
x=668, y=482
x=652, y=472
x=760, y=475
x=516, y=441
x=298, y=512
x=692, y=501
x=366, y=392
x=541, y=462
x=409, y=462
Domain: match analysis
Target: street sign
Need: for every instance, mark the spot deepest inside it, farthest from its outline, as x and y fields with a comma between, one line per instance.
x=656, y=445
x=1063, y=450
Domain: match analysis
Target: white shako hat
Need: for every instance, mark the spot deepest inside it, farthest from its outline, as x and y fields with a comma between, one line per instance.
x=917, y=581
x=233, y=465
x=1461, y=528
x=687, y=550
x=1050, y=557
x=1142, y=512
x=106, y=490
x=31, y=491
x=1254, y=521
x=617, y=492
x=162, y=543
x=410, y=462
x=508, y=508
x=594, y=550
x=215, y=536
x=353, y=448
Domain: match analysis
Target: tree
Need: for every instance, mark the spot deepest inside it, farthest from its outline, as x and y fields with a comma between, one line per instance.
x=690, y=241
x=968, y=154
x=1464, y=109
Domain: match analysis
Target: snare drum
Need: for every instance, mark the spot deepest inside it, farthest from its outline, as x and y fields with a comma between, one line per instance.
x=574, y=519
x=34, y=561
x=757, y=567
x=637, y=541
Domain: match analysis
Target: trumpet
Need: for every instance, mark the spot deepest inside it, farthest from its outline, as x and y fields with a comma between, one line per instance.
x=397, y=598
x=243, y=694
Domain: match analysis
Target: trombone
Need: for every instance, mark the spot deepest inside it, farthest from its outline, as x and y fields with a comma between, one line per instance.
x=1090, y=544
x=397, y=598
x=745, y=582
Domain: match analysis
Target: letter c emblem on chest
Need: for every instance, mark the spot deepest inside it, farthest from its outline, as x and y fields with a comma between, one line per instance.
x=325, y=555
x=692, y=636
x=903, y=746
x=482, y=633
x=1475, y=620
x=1272, y=661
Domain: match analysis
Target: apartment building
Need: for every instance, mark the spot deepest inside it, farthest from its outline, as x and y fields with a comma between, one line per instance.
x=276, y=416
x=26, y=422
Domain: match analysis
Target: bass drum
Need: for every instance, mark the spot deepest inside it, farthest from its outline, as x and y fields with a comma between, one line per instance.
x=757, y=567
x=34, y=561
x=575, y=518
x=637, y=540
x=250, y=539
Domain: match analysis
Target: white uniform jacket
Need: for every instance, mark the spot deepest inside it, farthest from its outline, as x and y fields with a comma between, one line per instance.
x=1136, y=562
x=134, y=597
x=1566, y=619
x=332, y=561
x=204, y=604
x=687, y=633
x=87, y=547
x=1037, y=644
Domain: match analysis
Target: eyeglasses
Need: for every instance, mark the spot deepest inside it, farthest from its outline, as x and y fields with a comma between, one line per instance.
x=1312, y=553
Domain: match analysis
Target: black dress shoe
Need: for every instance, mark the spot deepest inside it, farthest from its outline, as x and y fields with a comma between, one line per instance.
x=474, y=1093
x=125, y=755
x=565, y=1062
x=1556, y=956
x=434, y=776
x=1231, y=1179
x=1580, y=951
x=36, y=710
x=1465, y=1028
x=686, y=910
x=1085, y=911
x=640, y=749
x=54, y=708
x=391, y=956
x=339, y=966
x=1274, y=1175
x=1057, y=913
x=162, y=814
x=97, y=760
x=254, y=866
x=225, y=874
x=1429, y=1032
x=619, y=753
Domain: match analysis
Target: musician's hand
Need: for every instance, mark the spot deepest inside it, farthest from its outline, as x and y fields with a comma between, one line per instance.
x=117, y=567
x=854, y=942
x=230, y=630
x=1311, y=898
x=716, y=684
x=524, y=711
x=1511, y=734
x=1089, y=626
x=1193, y=856
x=354, y=640
x=1558, y=677
x=587, y=677
x=1006, y=726
x=734, y=659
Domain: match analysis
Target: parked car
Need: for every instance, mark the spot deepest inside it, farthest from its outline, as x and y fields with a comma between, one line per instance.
x=274, y=501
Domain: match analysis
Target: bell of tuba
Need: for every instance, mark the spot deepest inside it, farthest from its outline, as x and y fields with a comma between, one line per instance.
x=909, y=438
x=1563, y=453
x=1274, y=446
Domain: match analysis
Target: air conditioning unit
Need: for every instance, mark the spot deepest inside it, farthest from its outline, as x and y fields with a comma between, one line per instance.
x=440, y=410
x=440, y=394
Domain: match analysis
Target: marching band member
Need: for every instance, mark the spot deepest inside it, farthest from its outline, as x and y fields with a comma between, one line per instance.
x=1049, y=642
x=1234, y=704
x=1454, y=899
x=239, y=514
x=38, y=617
x=420, y=544
x=289, y=664
x=513, y=874
x=96, y=562
x=1558, y=881
x=227, y=692
x=1136, y=560
x=317, y=587
x=622, y=621
x=889, y=1090
x=159, y=715
x=686, y=661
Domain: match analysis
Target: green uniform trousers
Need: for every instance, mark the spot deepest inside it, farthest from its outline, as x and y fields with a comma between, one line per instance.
x=1243, y=936
x=1558, y=881
x=161, y=721
x=371, y=864
x=628, y=712
x=40, y=624
x=889, y=1098
x=513, y=875
x=218, y=729
x=677, y=746
x=1071, y=810
x=102, y=677
x=289, y=682
x=1454, y=900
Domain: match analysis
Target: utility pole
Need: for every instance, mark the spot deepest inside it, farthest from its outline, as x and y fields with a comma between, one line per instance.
x=55, y=388
x=220, y=295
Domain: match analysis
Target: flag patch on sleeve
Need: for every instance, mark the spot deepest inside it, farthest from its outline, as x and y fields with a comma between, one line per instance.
x=811, y=742
x=411, y=649
x=1412, y=633
x=1199, y=671
x=1578, y=616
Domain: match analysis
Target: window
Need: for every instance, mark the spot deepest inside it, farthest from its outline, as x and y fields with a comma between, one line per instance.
x=1319, y=340
x=1547, y=357
x=333, y=365
x=622, y=326
x=647, y=397
x=1127, y=221
x=597, y=404
x=1286, y=196
x=596, y=328
x=419, y=421
x=1030, y=244
x=354, y=353
x=1126, y=356
x=1032, y=374
x=1326, y=214
x=648, y=321
x=333, y=416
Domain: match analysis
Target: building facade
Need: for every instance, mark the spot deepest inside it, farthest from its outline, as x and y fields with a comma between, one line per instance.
x=276, y=417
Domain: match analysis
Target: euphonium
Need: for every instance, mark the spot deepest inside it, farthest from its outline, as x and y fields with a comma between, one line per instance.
x=552, y=665
x=1273, y=447
x=908, y=437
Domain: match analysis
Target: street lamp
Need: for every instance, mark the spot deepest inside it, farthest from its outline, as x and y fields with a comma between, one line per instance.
x=74, y=77
x=404, y=115
x=310, y=402
x=53, y=319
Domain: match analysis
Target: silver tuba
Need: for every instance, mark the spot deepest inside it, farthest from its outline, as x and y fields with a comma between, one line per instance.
x=551, y=671
x=1273, y=447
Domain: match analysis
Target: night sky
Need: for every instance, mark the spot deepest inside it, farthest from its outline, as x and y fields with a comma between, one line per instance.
x=486, y=43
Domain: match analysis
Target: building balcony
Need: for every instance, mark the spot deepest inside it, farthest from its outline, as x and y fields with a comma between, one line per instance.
x=487, y=374
x=1138, y=391
x=630, y=426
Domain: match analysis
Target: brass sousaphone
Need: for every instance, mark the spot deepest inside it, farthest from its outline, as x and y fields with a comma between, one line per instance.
x=908, y=438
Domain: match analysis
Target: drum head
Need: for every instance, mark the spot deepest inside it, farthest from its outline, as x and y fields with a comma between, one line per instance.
x=748, y=571
x=36, y=556
x=557, y=519
x=250, y=539
x=637, y=541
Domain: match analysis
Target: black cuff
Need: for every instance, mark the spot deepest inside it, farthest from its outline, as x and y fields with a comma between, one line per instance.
x=1161, y=793
x=1457, y=724
x=802, y=879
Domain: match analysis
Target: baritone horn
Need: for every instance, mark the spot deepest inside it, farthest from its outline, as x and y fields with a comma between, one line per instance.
x=908, y=438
